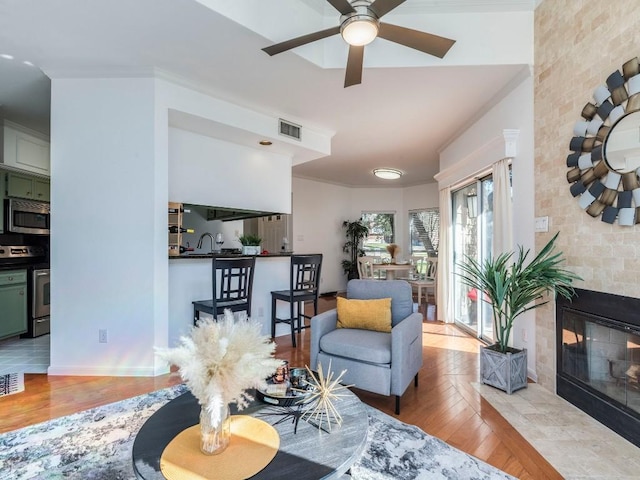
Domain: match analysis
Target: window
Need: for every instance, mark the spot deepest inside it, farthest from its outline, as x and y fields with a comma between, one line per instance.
x=381, y=233
x=472, y=235
x=424, y=231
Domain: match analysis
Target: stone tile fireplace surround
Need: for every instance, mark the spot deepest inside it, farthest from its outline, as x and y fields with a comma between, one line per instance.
x=598, y=358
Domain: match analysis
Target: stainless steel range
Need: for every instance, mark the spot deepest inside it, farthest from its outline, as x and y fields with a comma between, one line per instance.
x=31, y=259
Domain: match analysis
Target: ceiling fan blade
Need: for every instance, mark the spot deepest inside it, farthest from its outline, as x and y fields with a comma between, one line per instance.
x=299, y=41
x=353, y=75
x=382, y=7
x=425, y=42
x=343, y=6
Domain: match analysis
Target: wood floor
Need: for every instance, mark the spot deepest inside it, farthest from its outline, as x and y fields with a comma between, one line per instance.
x=444, y=404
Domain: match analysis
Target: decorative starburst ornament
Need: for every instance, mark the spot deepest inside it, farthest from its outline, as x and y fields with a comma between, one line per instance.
x=320, y=403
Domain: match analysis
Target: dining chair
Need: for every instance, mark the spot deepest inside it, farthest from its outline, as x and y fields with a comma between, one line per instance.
x=304, y=284
x=427, y=266
x=231, y=284
x=365, y=267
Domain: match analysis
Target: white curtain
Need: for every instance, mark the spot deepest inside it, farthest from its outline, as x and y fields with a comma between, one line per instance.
x=445, y=259
x=502, y=216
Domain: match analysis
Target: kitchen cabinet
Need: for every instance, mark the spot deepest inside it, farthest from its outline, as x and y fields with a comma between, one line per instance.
x=41, y=189
x=25, y=149
x=26, y=186
x=13, y=303
x=2, y=197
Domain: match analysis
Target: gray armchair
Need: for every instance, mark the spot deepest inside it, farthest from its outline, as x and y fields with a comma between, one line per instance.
x=378, y=362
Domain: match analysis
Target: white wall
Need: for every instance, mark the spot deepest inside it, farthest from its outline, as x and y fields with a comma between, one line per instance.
x=483, y=144
x=208, y=171
x=421, y=196
x=107, y=198
x=110, y=188
x=320, y=208
x=318, y=212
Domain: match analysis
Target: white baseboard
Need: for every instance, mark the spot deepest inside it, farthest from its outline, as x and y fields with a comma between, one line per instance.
x=99, y=371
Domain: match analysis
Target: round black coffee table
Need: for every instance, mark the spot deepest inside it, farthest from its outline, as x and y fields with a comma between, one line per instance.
x=305, y=451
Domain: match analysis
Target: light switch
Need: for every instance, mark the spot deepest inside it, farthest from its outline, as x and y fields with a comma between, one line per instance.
x=542, y=224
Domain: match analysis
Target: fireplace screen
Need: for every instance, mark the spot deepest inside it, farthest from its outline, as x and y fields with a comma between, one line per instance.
x=604, y=358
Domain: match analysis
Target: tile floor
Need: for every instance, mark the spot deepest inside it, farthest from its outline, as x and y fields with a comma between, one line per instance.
x=577, y=446
x=26, y=355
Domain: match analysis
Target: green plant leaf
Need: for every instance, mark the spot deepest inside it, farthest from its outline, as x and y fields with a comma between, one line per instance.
x=514, y=286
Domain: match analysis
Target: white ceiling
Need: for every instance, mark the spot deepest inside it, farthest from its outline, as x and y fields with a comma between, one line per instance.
x=398, y=117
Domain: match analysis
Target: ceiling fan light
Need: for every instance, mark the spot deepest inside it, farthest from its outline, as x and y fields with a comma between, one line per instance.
x=359, y=30
x=387, y=173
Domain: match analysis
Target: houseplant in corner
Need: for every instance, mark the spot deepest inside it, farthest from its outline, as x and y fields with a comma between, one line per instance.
x=511, y=287
x=250, y=243
x=355, y=233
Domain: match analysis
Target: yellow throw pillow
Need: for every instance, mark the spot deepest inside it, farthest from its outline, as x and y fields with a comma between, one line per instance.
x=372, y=314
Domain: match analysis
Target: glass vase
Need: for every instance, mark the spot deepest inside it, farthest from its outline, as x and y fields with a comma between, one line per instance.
x=215, y=435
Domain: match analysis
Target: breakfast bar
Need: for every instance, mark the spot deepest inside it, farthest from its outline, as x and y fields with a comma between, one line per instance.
x=190, y=280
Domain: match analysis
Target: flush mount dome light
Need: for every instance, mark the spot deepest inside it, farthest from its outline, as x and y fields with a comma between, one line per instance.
x=265, y=143
x=359, y=29
x=387, y=173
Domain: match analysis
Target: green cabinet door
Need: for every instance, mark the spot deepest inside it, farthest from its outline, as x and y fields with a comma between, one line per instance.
x=41, y=189
x=3, y=187
x=13, y=303
x=19, y=185
x=26, y=186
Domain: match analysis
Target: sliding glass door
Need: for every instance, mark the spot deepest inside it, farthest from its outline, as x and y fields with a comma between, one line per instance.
x=472, y=237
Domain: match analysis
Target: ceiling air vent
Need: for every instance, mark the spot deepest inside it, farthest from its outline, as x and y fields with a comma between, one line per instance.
x=290, y=130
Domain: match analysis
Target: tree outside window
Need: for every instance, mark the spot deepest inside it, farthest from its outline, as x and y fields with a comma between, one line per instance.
x=381, y=233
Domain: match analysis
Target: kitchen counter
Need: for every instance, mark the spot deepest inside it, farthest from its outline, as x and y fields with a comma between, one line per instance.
x=229, y=255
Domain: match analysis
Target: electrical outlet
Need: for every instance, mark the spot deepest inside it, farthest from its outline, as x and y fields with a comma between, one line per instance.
x=524, y=335
x=102, y=336
x=260, y=311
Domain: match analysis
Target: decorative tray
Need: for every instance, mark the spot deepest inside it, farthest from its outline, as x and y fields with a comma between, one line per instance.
x=282, y=395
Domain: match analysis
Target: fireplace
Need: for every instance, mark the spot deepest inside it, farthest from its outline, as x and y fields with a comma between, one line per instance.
x=598, y=358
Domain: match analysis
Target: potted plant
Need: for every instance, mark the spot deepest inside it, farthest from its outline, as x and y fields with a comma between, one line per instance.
x=355, y=232
x=250, y=243
x=512, y=287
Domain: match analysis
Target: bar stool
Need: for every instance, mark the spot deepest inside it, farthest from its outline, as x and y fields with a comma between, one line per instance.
x=232, y=283
x=304, y=283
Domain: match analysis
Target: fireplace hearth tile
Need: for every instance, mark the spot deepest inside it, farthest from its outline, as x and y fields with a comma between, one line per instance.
x=578, y=446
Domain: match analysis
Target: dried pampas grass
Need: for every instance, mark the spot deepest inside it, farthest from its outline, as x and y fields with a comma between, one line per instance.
x=220, y=360
x=393, y=250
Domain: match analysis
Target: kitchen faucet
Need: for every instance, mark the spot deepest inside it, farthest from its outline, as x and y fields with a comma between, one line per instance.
x=206, y=234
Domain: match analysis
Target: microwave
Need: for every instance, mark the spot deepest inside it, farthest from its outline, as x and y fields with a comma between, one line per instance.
x=26, y=216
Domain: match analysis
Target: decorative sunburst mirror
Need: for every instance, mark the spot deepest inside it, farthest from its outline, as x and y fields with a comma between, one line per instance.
x=605, y=160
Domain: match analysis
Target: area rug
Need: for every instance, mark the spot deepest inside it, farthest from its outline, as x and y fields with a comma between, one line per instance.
x=11, y=383
x=96, y=444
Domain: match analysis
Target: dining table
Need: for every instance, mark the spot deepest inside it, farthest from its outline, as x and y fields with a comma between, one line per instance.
x=391, y=269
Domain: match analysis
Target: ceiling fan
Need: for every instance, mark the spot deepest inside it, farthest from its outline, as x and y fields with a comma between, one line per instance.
x=359, y=25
